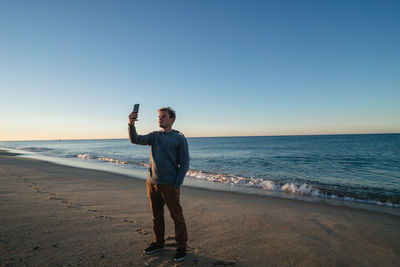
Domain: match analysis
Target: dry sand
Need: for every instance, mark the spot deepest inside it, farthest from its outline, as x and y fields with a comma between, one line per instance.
x=53, y=215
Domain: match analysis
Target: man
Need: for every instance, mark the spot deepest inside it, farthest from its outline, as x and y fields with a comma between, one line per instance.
x=169, y=162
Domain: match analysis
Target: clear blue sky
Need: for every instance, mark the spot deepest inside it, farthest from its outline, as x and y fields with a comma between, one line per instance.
x=74, y=69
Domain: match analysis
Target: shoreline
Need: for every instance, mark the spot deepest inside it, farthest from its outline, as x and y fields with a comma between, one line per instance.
x=58, y=215
x=194, y=181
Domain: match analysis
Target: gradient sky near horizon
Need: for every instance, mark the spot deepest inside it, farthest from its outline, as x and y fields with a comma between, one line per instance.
x=74, y=69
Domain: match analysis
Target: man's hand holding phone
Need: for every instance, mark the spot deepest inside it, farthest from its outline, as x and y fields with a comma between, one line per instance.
x=134, y=114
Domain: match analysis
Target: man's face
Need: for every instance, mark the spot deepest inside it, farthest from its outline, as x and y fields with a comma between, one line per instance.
x=164, y=121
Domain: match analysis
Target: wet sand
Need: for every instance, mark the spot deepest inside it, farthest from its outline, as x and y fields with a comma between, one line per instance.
x=54, y=215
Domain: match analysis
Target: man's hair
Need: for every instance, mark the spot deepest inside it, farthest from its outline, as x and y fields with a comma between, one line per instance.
x=170, y=111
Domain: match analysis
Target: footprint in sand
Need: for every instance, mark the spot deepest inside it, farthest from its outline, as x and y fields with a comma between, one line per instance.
x=129, y=221
x=73, y=205
x=93, y=210
x=36, y=186
x=39, y=190
x=104, y=217
x=141, y=231
x=60, y=199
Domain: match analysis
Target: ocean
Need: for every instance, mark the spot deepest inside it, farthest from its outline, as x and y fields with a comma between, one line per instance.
x=354, y=168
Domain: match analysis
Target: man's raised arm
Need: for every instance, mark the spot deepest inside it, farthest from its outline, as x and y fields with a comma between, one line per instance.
x=133, y=136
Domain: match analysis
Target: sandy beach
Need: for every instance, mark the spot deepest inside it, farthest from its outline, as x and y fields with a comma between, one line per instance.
x=54, y=215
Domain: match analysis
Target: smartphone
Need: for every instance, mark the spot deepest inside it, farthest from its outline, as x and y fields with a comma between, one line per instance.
x=136, y=108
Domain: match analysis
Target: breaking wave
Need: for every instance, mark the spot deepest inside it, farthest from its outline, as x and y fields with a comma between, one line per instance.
x=108, y=159
x=303, y=189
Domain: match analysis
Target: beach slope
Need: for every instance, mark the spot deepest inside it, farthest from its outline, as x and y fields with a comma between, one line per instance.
x=57, y=215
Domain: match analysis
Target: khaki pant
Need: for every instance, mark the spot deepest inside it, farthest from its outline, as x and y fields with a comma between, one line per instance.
x=160, y=194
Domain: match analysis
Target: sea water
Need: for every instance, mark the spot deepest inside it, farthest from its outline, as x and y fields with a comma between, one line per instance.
x=357, y=168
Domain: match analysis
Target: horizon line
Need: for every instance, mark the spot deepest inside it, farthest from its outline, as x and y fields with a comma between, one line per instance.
x=217, y=136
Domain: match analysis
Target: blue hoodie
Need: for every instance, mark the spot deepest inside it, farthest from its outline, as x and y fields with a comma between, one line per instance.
x=169, y=155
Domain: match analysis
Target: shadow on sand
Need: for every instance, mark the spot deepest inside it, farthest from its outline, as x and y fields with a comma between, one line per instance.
x=165, y=257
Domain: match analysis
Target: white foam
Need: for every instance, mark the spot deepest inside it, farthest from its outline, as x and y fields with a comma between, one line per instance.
x=112, y=160
x=269, y=185
x=303, y=189
x=84, y=156
x=142, y=164
x=290, y=188
x=108, y=159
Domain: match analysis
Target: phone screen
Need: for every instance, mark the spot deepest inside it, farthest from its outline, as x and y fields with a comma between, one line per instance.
x=136, y=108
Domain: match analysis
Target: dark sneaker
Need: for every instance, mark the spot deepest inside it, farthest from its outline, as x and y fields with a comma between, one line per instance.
x=153, y=248
x=180, y=254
